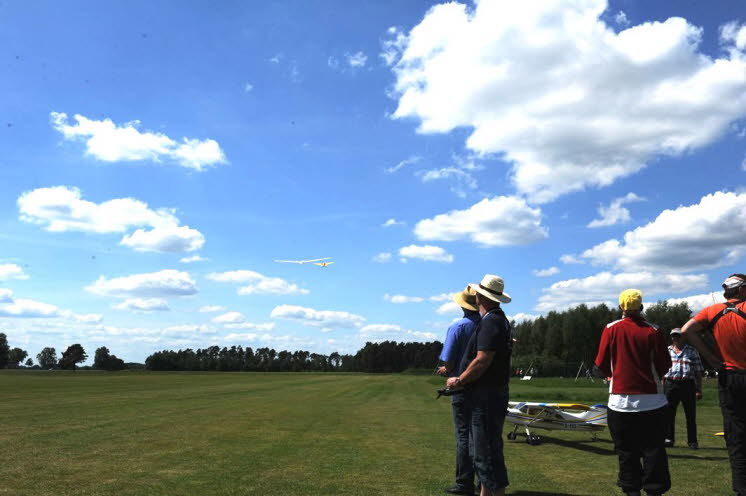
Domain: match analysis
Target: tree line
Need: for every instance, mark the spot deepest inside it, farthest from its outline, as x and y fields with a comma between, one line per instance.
x=553, y=344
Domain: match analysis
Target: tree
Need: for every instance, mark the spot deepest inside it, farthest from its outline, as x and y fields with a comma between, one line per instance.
x=29, y=363
x=4, y=350
x=105, y=361
x=15, y=357
x=47, y=358
x=74, y=354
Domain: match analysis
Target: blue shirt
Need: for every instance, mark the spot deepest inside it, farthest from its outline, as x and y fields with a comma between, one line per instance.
x=456, y=340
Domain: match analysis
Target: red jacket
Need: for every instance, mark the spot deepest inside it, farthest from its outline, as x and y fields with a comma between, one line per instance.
x=634, y=354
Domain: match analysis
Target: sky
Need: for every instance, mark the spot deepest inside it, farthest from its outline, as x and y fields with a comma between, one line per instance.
x=158, y=157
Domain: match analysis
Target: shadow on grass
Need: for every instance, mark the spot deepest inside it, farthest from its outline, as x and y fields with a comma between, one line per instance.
x=594, y=447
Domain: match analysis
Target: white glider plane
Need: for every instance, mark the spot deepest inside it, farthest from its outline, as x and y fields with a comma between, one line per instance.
x=316, y=261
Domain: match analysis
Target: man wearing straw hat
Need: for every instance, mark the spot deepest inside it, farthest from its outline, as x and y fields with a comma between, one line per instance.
x=457, y=338
x=633, y=353
x=486, y=365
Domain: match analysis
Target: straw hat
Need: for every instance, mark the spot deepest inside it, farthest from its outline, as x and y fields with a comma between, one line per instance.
x=466, y=299
x=492, y=287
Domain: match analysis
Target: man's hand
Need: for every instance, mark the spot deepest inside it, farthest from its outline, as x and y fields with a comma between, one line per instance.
x=698, y=395
x=453, y=382
x=441, y=371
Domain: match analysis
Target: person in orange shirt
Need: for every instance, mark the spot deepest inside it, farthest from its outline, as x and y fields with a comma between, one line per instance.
x=727, y=321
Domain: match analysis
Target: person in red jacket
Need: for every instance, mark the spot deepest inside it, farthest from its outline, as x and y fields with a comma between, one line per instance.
x=634, y=354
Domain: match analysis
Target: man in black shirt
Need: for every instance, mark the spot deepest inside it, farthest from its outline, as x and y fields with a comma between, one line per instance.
x=486, y=366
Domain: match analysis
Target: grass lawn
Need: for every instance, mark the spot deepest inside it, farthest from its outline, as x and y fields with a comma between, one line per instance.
x=93, y=433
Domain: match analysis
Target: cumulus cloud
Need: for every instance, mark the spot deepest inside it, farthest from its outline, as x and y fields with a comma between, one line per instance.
x=109, y=142
x=62, y=209
x=164, y=283
x=324, y=319
x=606, y=286
x=357, y=59
x=392, y=223
x=498, y=221
x=193, y=259
x=570, y=259
x=615, y=213
x=11, y=271
x=211, y=308
x=402, y=299
x=523, y=317
x=698, y=302
x=259, y=284
x=144, y=305
x=621, y=18
x=464, y=181
x=428, y=253
x=382, y=257
x=24, y=308
x=449, y=307
x=229, y=318
x=592, y=106
x=393, y=332
x=89, y=318
x=709, y=234
x=6, y=295
x=546, y=272
x=236, y=320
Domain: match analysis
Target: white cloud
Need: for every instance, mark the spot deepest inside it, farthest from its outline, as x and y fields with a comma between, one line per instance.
x=251, y=326
x=382, y=257
x=61, y=209
x=734, y=33
x=393, y=332
x=6, y=295
x=11, y=271
x=441, y=297
x=615, y=213
x=605, y=287
x=708, y=234
x=109, y=142
x=230, y=318
x=187, y=330
x=193, y=259
x=26, y=309
x=357, y=59
x=698, y=302
x=546, y=272
x=464, y=180
x=402, y=299
x=498, y=221
x=570, y=259
x=592, y=105
x=621, y=18
x=428, y=253
x=262, y=338
x=743, y=164
x=164, y=283
x=325, y=319
x=404, y=163
x=144, y=305
x=393, y=223
x=211, y=308
x=89, y=318
x=260, y=284
x=248, y=87
x=523, y=317
x=449, y=307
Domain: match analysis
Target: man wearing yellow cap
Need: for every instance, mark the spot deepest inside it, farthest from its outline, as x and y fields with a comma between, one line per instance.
x=634, y=354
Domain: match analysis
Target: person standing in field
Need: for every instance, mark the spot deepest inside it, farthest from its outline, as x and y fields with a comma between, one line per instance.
x=633, y=353
x=457, y=338
x=485, y=379
x=683, y=384
x=727, y=321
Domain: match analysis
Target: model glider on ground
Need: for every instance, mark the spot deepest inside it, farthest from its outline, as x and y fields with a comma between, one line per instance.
x=314, y=261
x=555, y=416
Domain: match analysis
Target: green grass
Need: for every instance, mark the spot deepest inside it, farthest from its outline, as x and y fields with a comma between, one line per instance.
x=90, y=433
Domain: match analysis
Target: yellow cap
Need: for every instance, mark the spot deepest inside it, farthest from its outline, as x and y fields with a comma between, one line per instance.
x=630, y=299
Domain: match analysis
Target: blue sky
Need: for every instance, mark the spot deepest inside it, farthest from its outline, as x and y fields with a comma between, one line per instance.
x=157, y=157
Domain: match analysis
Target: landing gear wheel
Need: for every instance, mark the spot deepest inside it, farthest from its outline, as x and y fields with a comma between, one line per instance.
x=511, y=436
x=533, y=440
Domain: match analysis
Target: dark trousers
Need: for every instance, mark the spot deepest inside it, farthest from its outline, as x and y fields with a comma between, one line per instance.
x=488, y=410
x=464, y=447
x=732, y=389
x=641, y=436
x=683, y=392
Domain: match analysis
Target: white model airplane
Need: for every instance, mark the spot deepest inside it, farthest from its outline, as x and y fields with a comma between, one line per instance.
x=555, y=416
x=313, y=261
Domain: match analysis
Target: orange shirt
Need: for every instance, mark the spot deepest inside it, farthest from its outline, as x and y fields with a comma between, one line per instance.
x=729, y=332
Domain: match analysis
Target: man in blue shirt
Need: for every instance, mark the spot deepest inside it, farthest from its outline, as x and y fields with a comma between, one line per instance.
x=453, y=351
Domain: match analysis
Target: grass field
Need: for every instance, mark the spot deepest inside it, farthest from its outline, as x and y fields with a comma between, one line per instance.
x=91, y=433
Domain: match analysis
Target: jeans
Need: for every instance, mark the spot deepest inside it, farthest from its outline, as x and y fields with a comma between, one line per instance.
x=464, y=446
x=488, y=410
x=683, y=392
x=732, y=391
x=641, y=435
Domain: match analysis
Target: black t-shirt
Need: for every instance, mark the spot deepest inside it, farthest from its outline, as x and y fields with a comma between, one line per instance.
x=493, y=334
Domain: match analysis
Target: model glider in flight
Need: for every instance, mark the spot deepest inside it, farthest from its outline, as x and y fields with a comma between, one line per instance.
x=316, y=261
